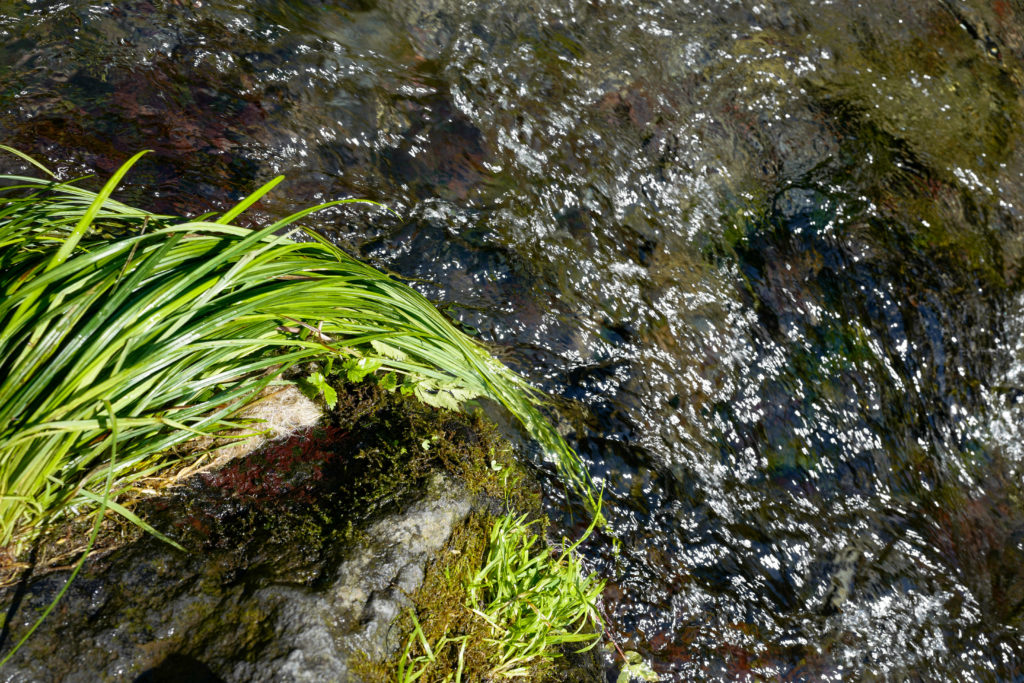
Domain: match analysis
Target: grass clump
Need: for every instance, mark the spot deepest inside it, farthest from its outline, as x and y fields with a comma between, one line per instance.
x=499, y=605
x=125, y=332
x=533, y=600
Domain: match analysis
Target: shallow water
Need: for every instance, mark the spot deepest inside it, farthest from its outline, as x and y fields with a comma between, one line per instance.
x=769, y=253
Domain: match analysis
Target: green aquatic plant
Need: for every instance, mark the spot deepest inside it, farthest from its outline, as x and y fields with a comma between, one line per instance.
x=178, y=324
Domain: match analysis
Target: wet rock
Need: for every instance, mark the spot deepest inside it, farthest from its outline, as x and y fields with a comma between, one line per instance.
x=147, y=612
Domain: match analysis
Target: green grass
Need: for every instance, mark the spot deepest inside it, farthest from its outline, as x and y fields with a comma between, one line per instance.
x=521, y=608
x=164, y=328
x=533, y=600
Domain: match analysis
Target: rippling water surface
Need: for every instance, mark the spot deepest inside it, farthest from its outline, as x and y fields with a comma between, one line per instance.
x=769, y=252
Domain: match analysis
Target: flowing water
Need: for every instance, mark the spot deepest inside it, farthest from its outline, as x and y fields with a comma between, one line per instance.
x=769, y=253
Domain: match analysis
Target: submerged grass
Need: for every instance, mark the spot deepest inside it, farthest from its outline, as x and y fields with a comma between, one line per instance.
x=176, y=325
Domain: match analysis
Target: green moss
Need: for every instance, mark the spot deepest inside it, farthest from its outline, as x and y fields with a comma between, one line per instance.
x=440, y=606
x=399, y=442
x=468, y=448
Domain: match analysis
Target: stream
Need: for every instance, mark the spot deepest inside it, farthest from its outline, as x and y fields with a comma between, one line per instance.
x=766, y=253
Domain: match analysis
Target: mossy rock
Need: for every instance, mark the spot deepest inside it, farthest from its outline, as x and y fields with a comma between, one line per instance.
x=300, y=554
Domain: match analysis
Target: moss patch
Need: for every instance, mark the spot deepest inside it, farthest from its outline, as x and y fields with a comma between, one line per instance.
x=440, y=605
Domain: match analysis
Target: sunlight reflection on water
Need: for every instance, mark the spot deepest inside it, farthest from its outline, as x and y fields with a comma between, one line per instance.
x=770, y=250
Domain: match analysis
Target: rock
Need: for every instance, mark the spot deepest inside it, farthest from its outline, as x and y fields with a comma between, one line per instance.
x=147, y=612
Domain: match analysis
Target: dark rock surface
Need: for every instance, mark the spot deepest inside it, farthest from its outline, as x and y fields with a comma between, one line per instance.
x=147, y=612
